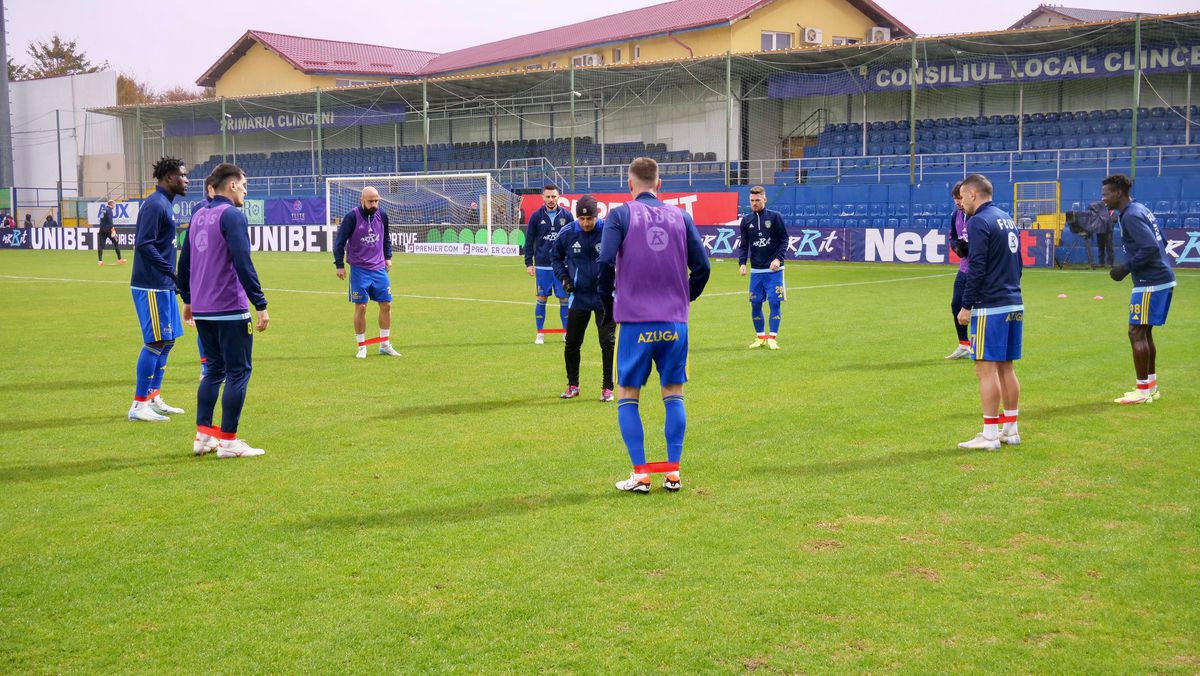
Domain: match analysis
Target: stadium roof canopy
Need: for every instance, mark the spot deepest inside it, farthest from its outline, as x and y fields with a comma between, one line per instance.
x=450, y=94
x=1074, y=15
x=325, y=57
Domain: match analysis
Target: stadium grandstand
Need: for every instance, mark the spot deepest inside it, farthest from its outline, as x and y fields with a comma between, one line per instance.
x=846, y=114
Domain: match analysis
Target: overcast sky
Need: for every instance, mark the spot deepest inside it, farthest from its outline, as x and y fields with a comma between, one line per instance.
x=170, y=43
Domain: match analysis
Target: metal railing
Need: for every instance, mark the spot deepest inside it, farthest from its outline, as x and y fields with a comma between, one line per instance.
x=532, y=173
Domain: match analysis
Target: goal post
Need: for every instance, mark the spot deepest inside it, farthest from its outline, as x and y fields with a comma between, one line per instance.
x=1038, y=204
x=436, y=213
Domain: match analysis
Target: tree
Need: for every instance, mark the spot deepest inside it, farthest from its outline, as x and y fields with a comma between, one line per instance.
x=131, y=91
x=58, y=57
x=16, y=71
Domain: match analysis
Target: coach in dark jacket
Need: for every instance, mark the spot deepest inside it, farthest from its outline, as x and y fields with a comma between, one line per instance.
x=575, y=260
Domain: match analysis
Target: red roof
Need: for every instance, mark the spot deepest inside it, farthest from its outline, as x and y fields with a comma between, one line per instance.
x=669, y=17
x=313, y=55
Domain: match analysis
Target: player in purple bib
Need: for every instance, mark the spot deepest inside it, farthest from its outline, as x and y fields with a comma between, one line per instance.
x=362, y=241
x=218, y=284
x=960, y=247
x=652, y=253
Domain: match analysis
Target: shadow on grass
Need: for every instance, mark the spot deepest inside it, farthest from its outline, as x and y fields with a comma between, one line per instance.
x=1090, y=407
x=58, y=470
x=465, y=344
x=478, y=406
x=474, y=511
x=835, y=467
x=33, y=424
x=62, y=385
x=887, y=366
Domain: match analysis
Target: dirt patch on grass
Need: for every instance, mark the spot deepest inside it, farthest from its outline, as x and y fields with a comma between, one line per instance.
x=869, y=520
x=927, y=574
x=755, y=663
x=822, y=545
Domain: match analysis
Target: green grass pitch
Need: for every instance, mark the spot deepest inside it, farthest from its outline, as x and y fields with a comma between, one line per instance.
x=445, y=511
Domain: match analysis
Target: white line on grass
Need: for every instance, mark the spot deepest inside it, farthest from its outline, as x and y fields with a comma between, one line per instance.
x=271, y=289
x=476, y=300
x=830, y=286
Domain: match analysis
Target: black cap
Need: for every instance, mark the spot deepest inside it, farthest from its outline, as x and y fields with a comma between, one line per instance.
x=585, y=206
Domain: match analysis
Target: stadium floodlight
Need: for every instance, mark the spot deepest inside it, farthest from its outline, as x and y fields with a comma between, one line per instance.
x=436, y=213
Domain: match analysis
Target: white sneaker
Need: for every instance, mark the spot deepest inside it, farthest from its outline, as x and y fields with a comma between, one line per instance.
x=540, y=339
x=636, y=483
x=388, y=350
x=1013, y=439
x=362, y=352
x=203, y=444
x=1135, y=397
x=163, y=408
x=981, y=443
x=236, y=448
x=960, y=352
x=141, y=412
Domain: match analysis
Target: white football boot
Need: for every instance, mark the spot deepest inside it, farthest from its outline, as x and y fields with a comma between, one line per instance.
x=163, y=408
x=982, y=443
x=636, y=483
x=236, y=448
x=141, y=412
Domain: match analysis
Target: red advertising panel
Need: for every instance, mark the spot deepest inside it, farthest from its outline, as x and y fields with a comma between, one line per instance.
x=706, y=208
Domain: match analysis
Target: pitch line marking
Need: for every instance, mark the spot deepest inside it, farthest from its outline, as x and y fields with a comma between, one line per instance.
x=480, y=300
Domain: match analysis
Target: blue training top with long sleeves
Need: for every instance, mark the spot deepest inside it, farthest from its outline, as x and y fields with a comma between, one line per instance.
x=154, y=264
x=540, y=233
x=764, y=239
x=994, y=267
x=576, y=256
x=1145, y=249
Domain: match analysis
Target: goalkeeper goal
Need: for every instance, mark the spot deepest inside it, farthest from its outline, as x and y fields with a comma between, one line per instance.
x=437, y=213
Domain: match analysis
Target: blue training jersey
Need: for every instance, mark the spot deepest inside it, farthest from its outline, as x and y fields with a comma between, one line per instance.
x=154, y=264
x=764, y=239
x=541, y=232
x=1145, y=248
x=994, y=259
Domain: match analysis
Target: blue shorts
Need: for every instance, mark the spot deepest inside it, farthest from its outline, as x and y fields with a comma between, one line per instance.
x=665, y=344
x=1149, y=305
x=996, y=333
x=158, y=313
x=369, y=284
x=767, y=286
x=548, y=284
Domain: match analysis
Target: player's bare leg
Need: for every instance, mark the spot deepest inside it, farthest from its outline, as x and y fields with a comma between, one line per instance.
x=1141, y=340
x=385, y=329
x=988, y=373
x=1010, y=395
x=360, y=328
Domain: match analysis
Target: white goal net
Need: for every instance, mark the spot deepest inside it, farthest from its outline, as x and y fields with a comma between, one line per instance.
x=437, y=213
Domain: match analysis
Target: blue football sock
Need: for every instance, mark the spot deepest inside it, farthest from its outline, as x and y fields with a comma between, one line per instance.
x=629, y=418
x=539, y=314
x=757, y=315
x=675, y=426
x=147, y=364
x=161, y=367
x=563, y=308
x=776, y=316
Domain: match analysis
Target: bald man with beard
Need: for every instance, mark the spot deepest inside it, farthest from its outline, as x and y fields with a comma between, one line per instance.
x=362, y=241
